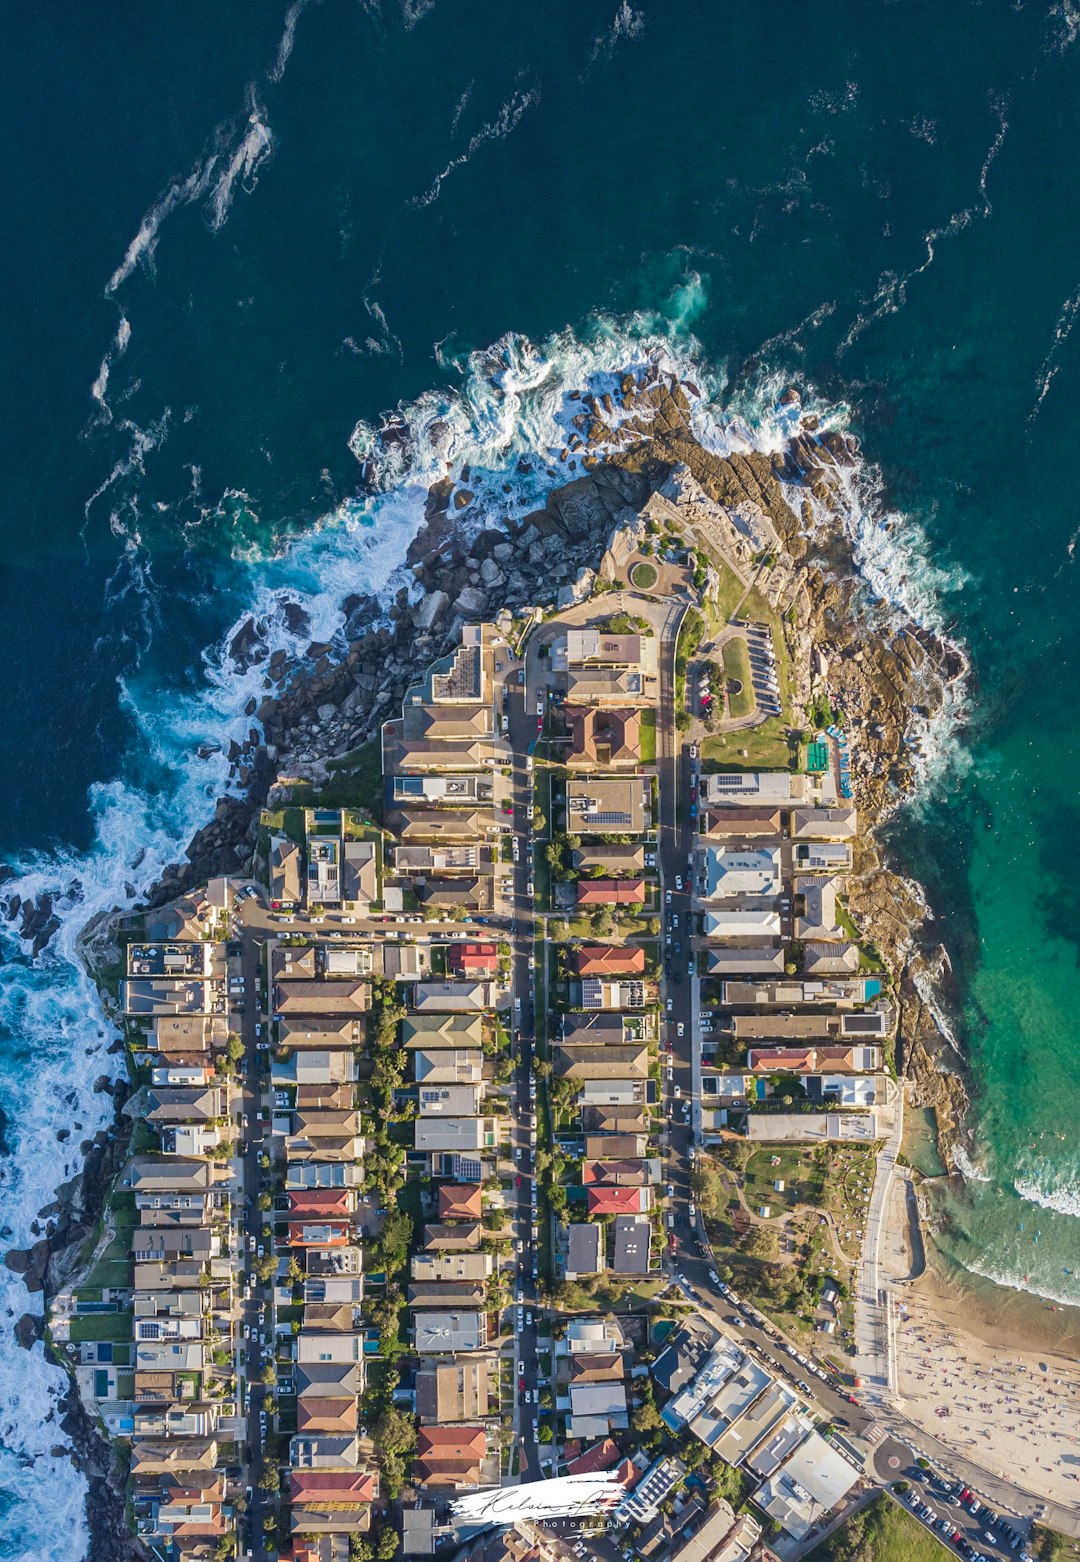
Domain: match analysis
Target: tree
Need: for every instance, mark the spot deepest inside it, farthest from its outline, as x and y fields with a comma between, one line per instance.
x=269, y=1480
x=269, y=1374
x=360, y=1549
x=295, y=1271
x=234, y=1049
x=264, y=1200
x=386, y=1544
x=763, y=1243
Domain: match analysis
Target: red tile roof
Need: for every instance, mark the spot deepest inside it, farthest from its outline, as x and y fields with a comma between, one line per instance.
x=610, y=959
x=322, y=1201
x=616, y=1201
x=473, y=958
x=333, y=1486
x=601, y=1456
x=611, y=892
x=460, y=1203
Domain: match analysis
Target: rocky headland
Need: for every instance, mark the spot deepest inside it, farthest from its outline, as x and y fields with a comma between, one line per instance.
x=891, y=678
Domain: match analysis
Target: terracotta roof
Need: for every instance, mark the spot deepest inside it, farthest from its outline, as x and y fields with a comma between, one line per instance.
x=326, y=1415
x=333, y=1485
x=610, y=959
x=460, y=1203
x=602, y=1456
x=616, y=1201
x=611, y=892
x=471, y=958
x=321, y=1201
x=450, y=1455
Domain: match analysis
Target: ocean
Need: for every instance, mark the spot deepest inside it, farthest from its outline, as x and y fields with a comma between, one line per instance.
x=235, y=236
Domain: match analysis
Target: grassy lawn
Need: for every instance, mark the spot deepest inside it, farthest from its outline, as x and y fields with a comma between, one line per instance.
x=757, y=748
x=803, y=1178
x=888, y=1534
x=644, y=576
x=648, y=737
x=737, y=668
x=355, y=781
x=101, y=1326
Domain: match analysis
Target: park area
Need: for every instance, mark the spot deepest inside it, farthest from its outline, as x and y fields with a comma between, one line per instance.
x=881, y=1532
x=738, y=678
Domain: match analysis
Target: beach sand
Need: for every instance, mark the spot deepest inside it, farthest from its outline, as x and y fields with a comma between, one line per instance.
x=991, y=1372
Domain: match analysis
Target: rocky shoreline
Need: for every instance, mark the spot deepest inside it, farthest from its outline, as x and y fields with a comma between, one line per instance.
x=889, y=677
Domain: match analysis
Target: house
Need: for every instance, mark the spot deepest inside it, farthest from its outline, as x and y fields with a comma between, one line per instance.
x=437, y=858
x=614, y=858
x=824, y=824
x=574, y=1061
x=443, y=1333
x=449, y=1100
x=471, y=997
x=822, y=857
x=811, y=1059
x=465, y=1238
x=589, y=1336
x=754, y=788
x=448, y=1392
x=615, y=1091
x=460, y=1203
x=472, y=960
x=833, y=1127
x=818, y=919
x=730, y=872
x=454, y=791
x=744, y=823
x=585, y=1249
x=325, y=997
x=146, y=1174
x=360, y=878
x=454, y=1135
x=180, y=1105
x=457, y=1268
x=611, y=892
x=436, y=1031
x=617, y=670
x=318, y=1346
x=619, y=1174
x=793, y=992
x=610, y=960
x=327, y=1413
x=323, y=868
x=608, y=805
x=757, y=922
x=284, y=871
x=446, y=1294
x=460, y=1067
x=342, y=1490
x=592, y=1029
x=632, y=1245
x=473, y=894
x=830, y=959
x=602, y=737
x=599, y=993
x=325, y=1202
x=757, y=959
x=801, y=1026
x=440, y=825
x=615, y=1146
x=450, y=1456
x=604, y=1200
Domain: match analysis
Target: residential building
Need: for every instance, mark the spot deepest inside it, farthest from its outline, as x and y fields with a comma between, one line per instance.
x=633, y=1236
x=444, y=1333
x=611, y=892
x=608, y=805
x=585, y=1249
x=610, y=960
x=729, y=872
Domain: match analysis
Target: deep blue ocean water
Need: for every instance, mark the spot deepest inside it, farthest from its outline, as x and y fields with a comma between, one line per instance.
x=233, y=236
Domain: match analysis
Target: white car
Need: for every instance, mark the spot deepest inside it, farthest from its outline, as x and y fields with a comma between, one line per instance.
x=540, y=705
x=681, y=1028
x=678, y=881
x=668, y=898
x=678, y=1091
x=675, y=918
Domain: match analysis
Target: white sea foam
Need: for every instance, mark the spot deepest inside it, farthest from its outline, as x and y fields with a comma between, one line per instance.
x=236, y=150
x=288, y=38
x=504, y=122
x=628, y=23
x=241, y=168
x=1056, y=1190
x=968, y=1169
x=1031, y=1285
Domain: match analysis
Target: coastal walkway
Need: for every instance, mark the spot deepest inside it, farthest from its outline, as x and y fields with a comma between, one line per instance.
x=875, y=1360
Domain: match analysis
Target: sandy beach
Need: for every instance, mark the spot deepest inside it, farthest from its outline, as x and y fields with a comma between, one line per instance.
x=990, y=1372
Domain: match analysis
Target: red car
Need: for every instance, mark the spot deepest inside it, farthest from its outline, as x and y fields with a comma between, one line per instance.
x=521, y=1383
x=517, y=1182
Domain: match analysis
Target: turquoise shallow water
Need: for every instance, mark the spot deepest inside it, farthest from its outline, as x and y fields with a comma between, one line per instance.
x=230, y=238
